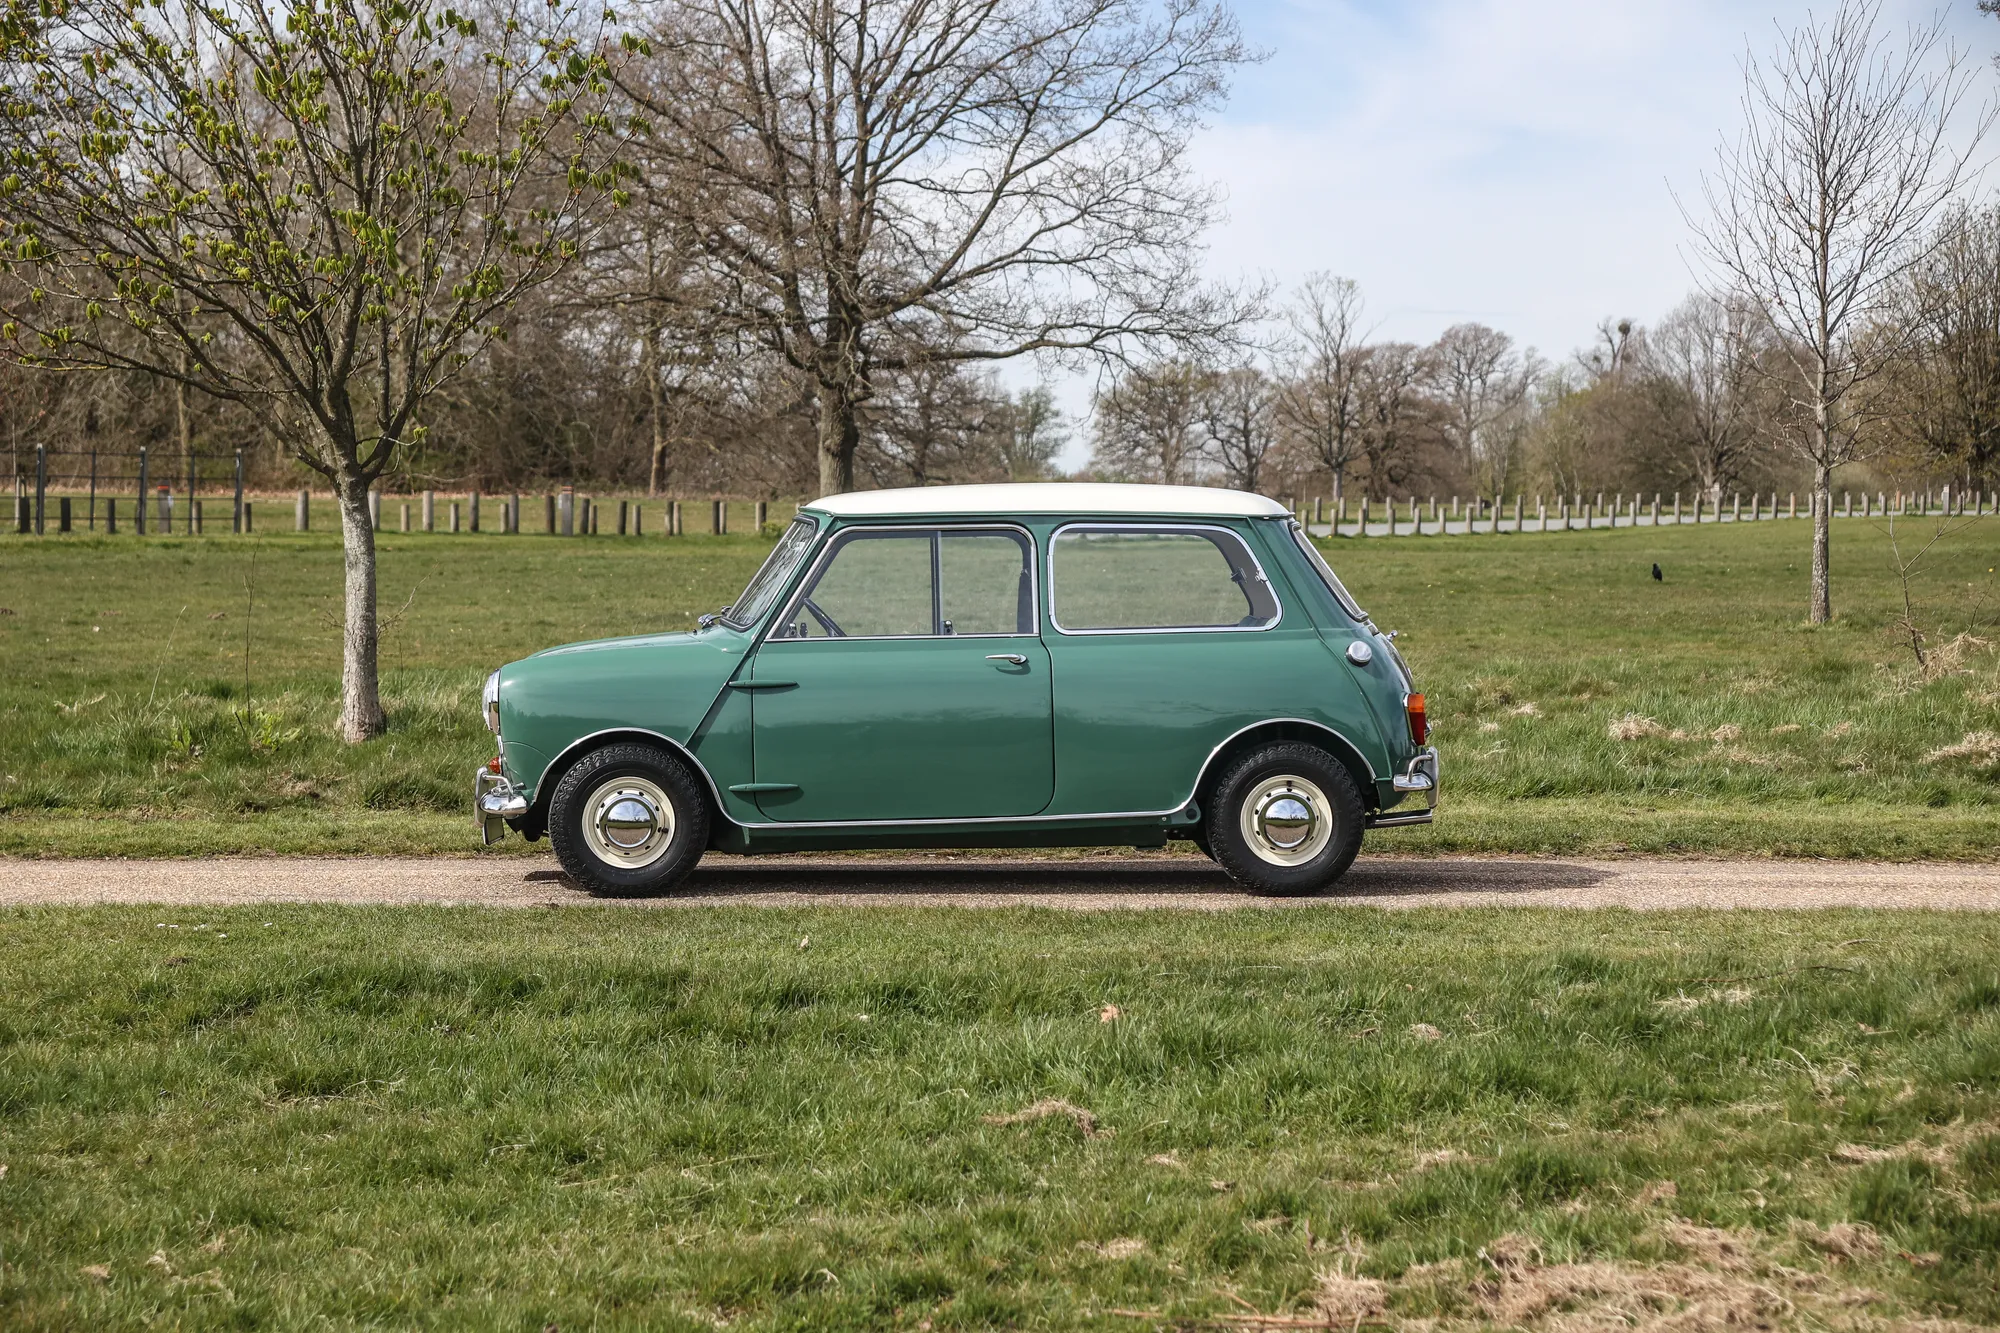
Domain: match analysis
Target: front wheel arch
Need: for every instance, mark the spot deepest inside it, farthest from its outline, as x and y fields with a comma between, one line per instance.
x=535, y=823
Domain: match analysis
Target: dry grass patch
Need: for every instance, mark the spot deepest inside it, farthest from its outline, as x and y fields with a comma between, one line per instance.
x=1632, y=727
x=1720, y=1280
x=1981, y=748
x=1053, y=1106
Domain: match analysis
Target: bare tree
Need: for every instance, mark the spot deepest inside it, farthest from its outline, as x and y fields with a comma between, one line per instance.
x=1702, y=364
x=1239, y=421
x=934, y=424
x=1395, y=413
x=1822, y=203
x=350, y=189
x=1148, y=424
x=1484, y=385
x=1611, y=355
x=1033, y=435
x=888, y=183
x=1318, y=401
x=1947, y=385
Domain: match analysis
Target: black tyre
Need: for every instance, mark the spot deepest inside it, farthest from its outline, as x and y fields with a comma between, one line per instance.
x=629, y=820
x=1285, y=819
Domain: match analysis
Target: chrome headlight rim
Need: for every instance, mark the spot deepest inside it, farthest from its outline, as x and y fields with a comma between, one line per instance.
x=489, y=703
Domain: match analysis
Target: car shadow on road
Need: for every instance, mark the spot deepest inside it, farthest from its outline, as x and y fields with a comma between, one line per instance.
x=1082, y=880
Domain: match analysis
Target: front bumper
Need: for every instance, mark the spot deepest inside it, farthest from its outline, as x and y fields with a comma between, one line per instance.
x=1420, y=775
x=495, y=800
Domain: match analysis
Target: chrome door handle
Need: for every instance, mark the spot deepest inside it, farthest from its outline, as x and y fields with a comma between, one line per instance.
x=1014, y=659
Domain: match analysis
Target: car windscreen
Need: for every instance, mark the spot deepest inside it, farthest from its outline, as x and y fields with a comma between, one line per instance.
x=771, y=577
x=1332, y=580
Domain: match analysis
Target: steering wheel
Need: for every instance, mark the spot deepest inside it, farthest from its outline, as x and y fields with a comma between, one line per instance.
x=826, y=622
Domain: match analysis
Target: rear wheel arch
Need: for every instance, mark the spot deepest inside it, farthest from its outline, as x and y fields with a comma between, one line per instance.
x=1288, y=729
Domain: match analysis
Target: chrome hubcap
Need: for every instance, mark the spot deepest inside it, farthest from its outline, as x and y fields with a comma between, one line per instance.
x=629, y=822
x=1286, y=820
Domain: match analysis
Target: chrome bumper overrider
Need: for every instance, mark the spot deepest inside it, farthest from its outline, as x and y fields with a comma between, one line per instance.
x=1419, y=775
x=495, y=800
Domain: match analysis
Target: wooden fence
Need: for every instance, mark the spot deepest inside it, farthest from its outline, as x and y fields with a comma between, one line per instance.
x=121, y=495
x=1412, y=517
x=78, y=491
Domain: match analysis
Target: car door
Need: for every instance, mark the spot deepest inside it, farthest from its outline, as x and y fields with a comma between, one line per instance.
x=907, y=680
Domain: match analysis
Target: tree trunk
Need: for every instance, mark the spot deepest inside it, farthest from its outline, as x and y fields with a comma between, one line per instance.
x=184, y=428
x=360, y=686
x=656, y=484
x=183, y=423
x=839, y=434
x=1822, y=521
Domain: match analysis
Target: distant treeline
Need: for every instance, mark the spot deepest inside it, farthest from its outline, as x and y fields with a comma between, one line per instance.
x=1689, y=403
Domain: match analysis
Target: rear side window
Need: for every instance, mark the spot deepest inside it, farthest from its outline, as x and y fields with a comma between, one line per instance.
x=1327, y=576
x=1113, y=577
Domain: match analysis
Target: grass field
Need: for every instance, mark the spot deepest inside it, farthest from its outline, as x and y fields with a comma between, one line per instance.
x=176, y=695
x=311, y=1117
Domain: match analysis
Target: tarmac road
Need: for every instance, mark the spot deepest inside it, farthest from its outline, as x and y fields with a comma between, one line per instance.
x=1074, y=883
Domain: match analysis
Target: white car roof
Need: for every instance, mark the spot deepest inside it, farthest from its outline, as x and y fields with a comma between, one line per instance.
x=1049, y=497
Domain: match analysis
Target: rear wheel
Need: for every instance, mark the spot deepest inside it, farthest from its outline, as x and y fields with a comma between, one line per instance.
x=1285, y=819
x=628, y=819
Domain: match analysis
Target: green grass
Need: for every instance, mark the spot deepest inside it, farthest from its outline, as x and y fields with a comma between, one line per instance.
x=293, y=1117
x=124, y=690
x=128, y=723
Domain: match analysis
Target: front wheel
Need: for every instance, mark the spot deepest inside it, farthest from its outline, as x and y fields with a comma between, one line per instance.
x=1286, y=819
x=628, y=819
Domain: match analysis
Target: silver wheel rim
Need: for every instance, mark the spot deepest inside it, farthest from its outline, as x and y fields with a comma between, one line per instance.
x=628, y=822
x=1286, y=820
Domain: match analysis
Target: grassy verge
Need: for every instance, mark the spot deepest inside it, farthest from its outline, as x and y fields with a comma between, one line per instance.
x=295, y=1117
x=176, y=696
x=1468, y=825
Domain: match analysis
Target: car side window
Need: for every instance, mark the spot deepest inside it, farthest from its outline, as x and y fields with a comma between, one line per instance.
x=917, y=583
x=988, y=582
x=1111, y=577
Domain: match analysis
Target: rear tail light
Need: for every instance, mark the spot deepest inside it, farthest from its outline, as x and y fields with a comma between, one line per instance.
x=1420, y=726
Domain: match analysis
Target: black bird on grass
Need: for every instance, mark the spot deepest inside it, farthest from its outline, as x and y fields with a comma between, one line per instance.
x=1658, y=577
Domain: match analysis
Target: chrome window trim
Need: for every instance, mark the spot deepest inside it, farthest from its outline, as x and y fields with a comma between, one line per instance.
x=1232, y=533
x=819, y=530
x=826, y=553
x=1336, y=588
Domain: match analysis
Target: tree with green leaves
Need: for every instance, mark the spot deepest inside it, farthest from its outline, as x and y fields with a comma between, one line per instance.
x=321, y=208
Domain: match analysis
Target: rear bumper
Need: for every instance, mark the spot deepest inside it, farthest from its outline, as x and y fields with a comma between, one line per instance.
x=495, y=800
x=1419, y=777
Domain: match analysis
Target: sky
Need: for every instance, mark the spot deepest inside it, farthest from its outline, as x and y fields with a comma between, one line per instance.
x=1514, y=162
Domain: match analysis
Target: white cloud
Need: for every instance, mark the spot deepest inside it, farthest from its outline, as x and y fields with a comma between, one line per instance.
x=1512, y=162
x=1508, y=161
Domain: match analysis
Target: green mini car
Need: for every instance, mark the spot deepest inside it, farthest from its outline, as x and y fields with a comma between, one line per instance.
x=981, y=666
